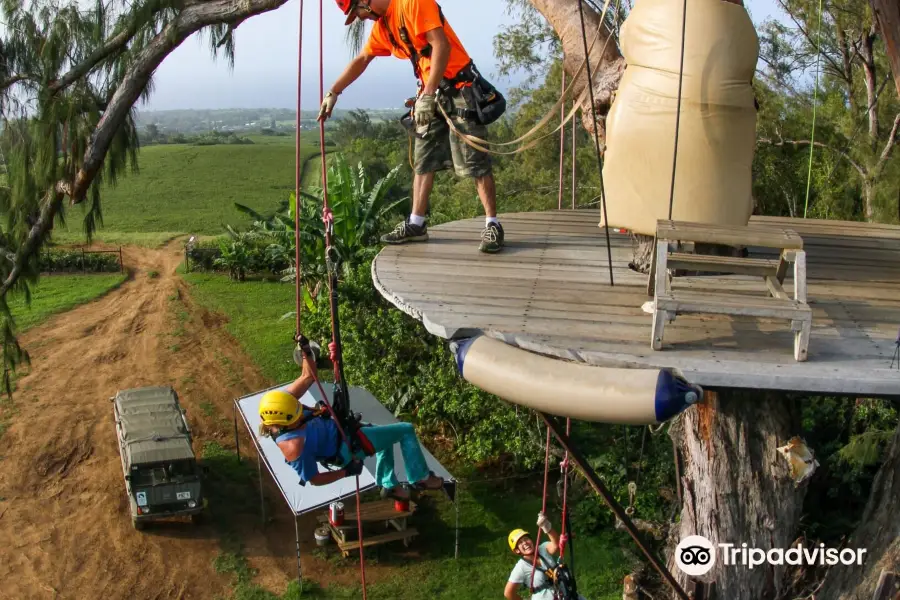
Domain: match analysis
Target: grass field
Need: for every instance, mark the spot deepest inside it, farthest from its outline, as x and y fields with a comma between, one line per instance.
x=183, y=189
x=59, y=293
x=487, y=511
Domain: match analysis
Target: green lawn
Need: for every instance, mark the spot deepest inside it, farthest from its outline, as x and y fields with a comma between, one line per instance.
x=185, y=189
x=487, y=511
x=58, y=293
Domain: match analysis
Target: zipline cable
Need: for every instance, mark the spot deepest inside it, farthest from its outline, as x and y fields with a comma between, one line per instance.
x=812, y=138
x=678, y=109
x=562, y=138
x=596, y=136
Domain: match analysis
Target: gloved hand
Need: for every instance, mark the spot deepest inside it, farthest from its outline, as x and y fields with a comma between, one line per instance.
x=424, y=111
x=354, y=467
x=327, y=105
x=544, y=523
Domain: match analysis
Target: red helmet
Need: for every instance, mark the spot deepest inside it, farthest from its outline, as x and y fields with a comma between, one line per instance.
x=347, y=7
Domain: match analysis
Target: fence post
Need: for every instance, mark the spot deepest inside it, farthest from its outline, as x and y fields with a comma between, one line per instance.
x=83, y=265
x=121, y=264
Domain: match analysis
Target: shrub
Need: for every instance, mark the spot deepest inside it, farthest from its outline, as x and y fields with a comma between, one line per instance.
x=74, y=261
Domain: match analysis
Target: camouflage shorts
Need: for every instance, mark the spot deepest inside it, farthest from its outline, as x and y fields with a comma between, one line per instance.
x=441, y=149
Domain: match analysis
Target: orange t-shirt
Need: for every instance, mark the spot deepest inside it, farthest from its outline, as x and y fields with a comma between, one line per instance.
x=420, y=17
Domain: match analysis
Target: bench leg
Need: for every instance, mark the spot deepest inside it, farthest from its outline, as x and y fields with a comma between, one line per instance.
x=801, y=341
x=659, y=322
x=800, y=276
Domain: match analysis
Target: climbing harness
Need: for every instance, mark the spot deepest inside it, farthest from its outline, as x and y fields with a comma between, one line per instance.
x=558, y=578
x=485, y=103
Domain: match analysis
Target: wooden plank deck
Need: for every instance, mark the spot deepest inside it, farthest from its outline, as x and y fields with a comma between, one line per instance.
x=549, y=292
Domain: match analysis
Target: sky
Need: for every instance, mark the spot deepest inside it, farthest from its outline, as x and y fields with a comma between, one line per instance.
x=264, y=73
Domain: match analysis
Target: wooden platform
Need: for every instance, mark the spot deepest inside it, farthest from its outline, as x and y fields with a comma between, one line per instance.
x=548, y=291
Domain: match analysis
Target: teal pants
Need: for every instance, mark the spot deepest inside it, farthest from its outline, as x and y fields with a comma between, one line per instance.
x=383, y=438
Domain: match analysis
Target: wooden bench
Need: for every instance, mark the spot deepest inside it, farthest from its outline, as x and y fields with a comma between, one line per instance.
x=381, y=511
x=776, y=304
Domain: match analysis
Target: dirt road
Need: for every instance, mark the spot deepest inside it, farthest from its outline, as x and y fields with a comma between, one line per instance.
x=64, y=528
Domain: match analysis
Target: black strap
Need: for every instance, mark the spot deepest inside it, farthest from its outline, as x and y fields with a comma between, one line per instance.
x=549, y=580
x=410, y=47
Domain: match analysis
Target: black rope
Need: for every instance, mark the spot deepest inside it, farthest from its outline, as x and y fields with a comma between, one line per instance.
x=590, y=84
x=678, y=110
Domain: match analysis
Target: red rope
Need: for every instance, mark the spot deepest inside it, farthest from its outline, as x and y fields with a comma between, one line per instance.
x=564, y=536
x=537, y=543
x=298, y=289
x=328, y=220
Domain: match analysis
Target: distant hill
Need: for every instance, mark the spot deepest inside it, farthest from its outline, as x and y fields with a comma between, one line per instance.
x=241, y=119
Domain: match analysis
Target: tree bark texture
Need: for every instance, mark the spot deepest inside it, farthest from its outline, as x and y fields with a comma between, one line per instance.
x=737, y=488
x=878, y=532
x=887, y=13
x=607, y=64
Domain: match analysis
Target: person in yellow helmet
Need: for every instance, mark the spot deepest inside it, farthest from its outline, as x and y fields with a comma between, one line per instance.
x=522, y=545
x=305, y=440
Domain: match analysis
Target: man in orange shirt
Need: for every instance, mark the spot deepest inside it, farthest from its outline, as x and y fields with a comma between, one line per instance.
x=416, y=30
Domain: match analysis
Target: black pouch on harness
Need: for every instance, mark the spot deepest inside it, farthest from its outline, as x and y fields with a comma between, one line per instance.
x=485, y=103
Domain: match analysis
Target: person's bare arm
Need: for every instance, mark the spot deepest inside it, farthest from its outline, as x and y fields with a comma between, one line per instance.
x=512, y=591
x=329, y=477
x=352, y=71
x=440, y=56
x=307, y=377
x=553, y=544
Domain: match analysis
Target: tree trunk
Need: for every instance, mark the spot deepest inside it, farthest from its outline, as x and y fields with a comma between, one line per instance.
x=848, y=67
x=869, y=197
x=737, y=487
x=878, y=532
x=607, y=63
x=867, y=53
x=887, y=14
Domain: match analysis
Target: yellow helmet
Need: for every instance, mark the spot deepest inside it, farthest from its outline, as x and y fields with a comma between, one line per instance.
x=514, y=536
x=279, y=408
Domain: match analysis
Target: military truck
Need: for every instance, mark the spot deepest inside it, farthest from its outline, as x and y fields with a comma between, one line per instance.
x=162, y=476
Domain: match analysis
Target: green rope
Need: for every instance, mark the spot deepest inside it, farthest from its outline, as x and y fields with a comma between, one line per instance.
x=812, y=140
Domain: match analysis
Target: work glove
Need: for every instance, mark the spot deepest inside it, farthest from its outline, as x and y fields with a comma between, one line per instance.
x=354, y=467
x=424, y=111
x=327, y=105
x=544, y=523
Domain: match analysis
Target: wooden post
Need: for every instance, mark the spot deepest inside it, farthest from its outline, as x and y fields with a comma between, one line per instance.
x=121, y=263
x=262, y=500
x=297, y=538
x=237, y=443
x=83, y=265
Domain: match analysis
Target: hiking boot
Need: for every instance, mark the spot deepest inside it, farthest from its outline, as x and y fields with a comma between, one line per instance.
x=406, y=232
x=492, y=238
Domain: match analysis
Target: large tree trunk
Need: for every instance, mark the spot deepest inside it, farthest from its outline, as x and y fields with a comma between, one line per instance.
x=878, y=532
x=887, y=13
x=607, y=63
x=737, y=487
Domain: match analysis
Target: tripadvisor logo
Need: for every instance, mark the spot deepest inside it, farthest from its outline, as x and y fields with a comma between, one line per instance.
x=696, y=555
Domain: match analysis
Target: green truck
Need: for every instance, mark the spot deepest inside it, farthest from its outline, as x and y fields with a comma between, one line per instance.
x=162, y=476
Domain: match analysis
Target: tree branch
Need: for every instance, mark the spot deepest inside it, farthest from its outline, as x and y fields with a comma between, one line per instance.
x=808, y=37
x=888, y=146
x=862, y=171
x=13, y=81
x=115, y=43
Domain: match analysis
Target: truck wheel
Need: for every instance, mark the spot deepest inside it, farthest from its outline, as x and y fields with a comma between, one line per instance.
x=138, y=525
